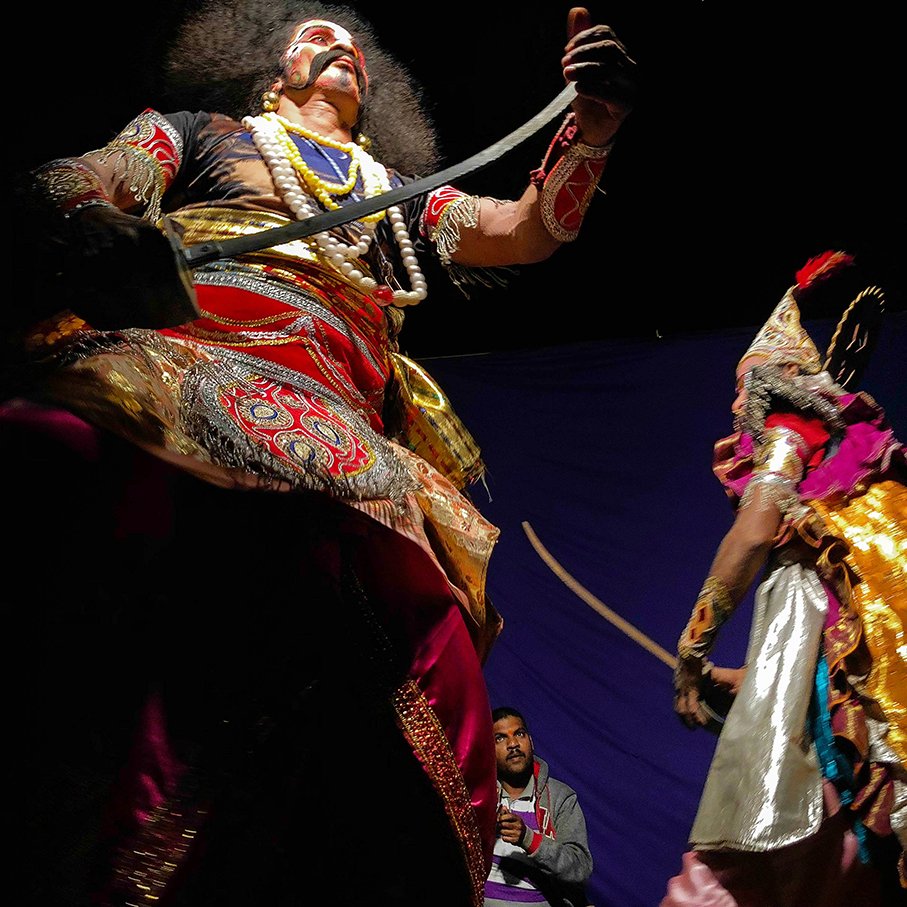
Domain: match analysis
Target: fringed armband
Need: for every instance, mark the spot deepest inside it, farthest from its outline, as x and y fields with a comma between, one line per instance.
x=777, y=470
x=71, y=185
x=145, y=156
x=567, y=178
x=446, y=211
x=713, y=607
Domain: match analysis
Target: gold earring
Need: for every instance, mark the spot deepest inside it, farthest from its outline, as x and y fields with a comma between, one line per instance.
x=270, y=101
x=365, y=143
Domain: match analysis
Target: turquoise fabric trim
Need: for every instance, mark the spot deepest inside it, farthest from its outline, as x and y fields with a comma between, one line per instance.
x=833, y=763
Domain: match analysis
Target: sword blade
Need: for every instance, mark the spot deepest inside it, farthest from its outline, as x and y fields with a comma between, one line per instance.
x=202, y=253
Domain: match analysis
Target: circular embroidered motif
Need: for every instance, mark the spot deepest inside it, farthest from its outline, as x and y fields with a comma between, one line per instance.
x=264, y=413
x=303, y=430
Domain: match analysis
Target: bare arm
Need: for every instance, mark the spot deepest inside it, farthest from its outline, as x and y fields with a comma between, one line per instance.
x=740, y=557
x=778, y=467
x=744, y=550
x=507, y=233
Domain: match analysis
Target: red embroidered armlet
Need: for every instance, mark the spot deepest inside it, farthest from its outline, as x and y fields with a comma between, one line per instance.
x=567, y=178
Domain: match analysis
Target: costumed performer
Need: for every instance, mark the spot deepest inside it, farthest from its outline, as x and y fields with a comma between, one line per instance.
x=805, y=800
x=281, y=662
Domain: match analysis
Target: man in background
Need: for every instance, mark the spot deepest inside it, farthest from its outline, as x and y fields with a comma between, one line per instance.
x=541, y=855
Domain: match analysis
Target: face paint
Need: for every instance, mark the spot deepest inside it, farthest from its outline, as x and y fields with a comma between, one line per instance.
x=320, y=63
x=315, y=45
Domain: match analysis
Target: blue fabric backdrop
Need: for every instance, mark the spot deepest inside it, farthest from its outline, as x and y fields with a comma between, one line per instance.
x=604, y=449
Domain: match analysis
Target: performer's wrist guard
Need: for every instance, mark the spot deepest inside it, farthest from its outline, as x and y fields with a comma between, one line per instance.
x=567, y=178
x=713, y=607
x=71, y=185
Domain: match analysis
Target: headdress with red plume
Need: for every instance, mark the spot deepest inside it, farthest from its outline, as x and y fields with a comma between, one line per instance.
x=782, y=339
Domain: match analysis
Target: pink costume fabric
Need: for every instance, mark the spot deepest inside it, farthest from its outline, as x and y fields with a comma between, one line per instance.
x=822, y=871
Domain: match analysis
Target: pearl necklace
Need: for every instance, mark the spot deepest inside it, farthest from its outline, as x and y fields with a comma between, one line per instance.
x=298, y=184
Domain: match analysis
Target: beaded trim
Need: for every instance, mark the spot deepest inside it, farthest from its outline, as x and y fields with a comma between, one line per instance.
x=71, y=184
x=461, y=212
x=147, y=154
x=766, y=383
x=568, y=190
x=447, y=210
x=567, y=178
x=425, y=734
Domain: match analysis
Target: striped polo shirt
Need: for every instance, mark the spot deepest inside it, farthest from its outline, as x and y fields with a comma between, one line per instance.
x=507, y=882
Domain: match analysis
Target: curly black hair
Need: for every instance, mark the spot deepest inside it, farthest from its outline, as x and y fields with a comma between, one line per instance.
x=228, y=52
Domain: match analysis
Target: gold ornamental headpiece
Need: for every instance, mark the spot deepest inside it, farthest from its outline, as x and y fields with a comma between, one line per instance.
x=782, y=339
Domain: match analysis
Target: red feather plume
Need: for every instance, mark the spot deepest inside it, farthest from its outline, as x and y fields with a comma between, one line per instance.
x=822, y=266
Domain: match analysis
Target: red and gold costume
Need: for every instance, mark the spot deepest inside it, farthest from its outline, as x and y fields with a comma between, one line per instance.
x=290, y=383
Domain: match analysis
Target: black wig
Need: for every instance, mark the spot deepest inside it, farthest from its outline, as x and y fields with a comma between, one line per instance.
x=229, y=52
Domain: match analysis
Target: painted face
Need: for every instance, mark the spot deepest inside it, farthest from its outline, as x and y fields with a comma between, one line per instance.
x=343, y=67
x=512, y=746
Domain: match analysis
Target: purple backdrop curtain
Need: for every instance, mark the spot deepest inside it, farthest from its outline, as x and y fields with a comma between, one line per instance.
x=604, y=449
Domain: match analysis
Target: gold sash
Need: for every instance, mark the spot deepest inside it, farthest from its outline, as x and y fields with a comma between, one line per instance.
x=874, y=525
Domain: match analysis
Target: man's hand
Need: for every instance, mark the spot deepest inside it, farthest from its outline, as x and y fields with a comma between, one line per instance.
x=125, y=273
x=728, y=679
x=510, y=826
x=605, y=77
x=687, y=680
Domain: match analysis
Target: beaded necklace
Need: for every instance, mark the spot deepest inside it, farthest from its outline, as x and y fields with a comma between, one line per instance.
x=299, y=184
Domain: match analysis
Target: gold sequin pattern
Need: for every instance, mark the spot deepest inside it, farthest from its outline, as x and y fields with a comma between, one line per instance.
x=210, y=224
x=143, y=871
x=875, y=526
x=132, y=390
x=462, y=540
x=427, y=737
x=779, y=454
x=53, y=330
x=713, y=607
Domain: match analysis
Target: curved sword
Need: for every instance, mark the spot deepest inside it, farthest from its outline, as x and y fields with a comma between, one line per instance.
x=200, y=254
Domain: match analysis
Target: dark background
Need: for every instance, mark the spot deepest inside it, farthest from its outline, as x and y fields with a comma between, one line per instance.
x=765, y=133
